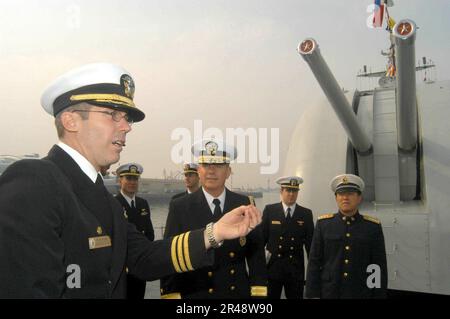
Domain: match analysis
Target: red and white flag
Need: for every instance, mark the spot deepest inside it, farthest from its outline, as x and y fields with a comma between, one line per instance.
x=378, y=14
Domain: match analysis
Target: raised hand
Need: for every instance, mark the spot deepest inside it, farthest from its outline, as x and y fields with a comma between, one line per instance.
x=237, y=223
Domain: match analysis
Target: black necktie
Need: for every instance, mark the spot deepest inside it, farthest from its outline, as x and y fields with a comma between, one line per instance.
x=288, y=215
x=217, y=210
x=99, y=181
x=132, y=204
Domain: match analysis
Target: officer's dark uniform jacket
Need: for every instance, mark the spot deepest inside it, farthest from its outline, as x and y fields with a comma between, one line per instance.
x=140, y=216
x=228, y=278
x=285, y=240
x=342, y=249
x=179, y=195
x=52, y=220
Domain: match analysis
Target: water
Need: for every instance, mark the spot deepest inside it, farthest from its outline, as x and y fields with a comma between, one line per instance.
x=159, y=215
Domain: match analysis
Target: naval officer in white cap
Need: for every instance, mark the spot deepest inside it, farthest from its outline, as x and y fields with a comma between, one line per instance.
x=287, y=229
x=347, y=247
x=137, y=211
x=191, y=179
x=62, y=235
x=228, y=277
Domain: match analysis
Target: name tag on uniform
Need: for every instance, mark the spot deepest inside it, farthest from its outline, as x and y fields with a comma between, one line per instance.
x=300, y=222
x=99, y=242
x=276, y=222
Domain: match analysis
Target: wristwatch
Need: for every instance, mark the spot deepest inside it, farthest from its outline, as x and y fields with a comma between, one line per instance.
x=211, y=238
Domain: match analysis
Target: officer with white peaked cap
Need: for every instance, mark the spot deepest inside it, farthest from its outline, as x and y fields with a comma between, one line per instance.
x=58, y=221
x=137, y=211
x=287, y=229
x=191, y=179
x=345, y=248
x=228, y=278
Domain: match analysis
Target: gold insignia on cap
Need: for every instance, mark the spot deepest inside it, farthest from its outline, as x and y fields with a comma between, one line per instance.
x=128, y=85
x=99, y=230
x=211, y=148
x=242, y=241
x=344, y=180
x=294, y=182
x=133, y=169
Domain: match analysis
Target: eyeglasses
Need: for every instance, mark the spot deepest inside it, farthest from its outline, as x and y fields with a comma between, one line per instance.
x=116, y=116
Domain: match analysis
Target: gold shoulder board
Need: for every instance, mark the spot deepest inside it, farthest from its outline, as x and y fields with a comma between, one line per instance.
x=326, y=216
x=372, y=219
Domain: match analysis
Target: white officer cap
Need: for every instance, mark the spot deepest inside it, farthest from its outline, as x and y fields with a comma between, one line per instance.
x=133, y=169
x=213, y=151
x=347, y=183
x=100, y=84
x=190, y=168
x=290, y=181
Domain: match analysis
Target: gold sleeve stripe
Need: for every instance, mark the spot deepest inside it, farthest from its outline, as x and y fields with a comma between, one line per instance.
x=173, y=251
x=180, y=253
x=259, y=291
x=187, y=258
x=174, y=295
x=112, y=98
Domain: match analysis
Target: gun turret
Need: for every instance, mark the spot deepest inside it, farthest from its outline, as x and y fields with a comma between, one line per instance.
x=405, y=37
x=309, y=50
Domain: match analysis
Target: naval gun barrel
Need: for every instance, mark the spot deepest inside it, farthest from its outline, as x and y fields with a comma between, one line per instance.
x=309, y=50
x=405, y=36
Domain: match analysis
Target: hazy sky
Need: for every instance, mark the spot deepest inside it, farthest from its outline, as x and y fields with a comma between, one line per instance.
x=231, y=64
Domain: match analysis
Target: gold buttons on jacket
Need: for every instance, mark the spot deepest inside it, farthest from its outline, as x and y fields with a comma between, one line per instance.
x=348, y=235
x=210, y=290
x=232, y=254
x=346, y=261
x=210, y=274
x=279, y=246
x=292, y=248
x=232, y=272
x=281, y=237
x=348, y=223
x=279, y=255
x=232, y=288
x=345, y=274
x=347, y=247
x=292, y=238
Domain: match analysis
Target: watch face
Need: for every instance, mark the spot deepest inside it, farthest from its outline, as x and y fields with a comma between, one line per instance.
x=306, y=46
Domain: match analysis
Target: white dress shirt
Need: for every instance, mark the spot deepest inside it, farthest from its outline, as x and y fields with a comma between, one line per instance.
x=129, y=199
x=210, y=198
x=82, y=162
x=285, y=207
